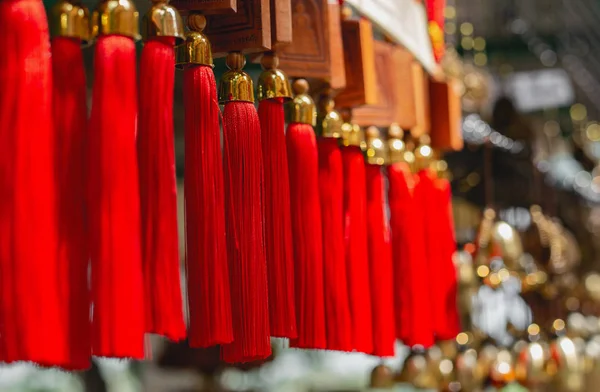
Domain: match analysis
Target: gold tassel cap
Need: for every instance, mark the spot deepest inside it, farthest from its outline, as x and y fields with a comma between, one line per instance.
x=196, y=49
x=116, y=17
x=423, y=153
x=376, y=148
x=70, y=19
x=163, y=20
x=302, y=108
x=396, y=145
x=331, y=122
x=352, y=135
x=236, y=85
x=273, y=82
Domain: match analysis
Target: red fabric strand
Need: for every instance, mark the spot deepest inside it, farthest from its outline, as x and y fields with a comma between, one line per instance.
x=206, y=247
x=331, y=187
x=278, y=221
x=380, y=262
x=70, y=123
x=307, y=236
x=243, y=211
x=158, y=190
x=357, y=262
x=32, y=318
x=115, y=246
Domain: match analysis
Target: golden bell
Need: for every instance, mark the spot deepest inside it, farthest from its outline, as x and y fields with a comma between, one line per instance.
x=163, y=20
x=423, y=153
x=376, y=148
x=236, y=85
x=302, y=108
x=70, y=19
x=116, y=17
x=330, y=123
x=396, y=146
x=273, y=82
x=196, y=49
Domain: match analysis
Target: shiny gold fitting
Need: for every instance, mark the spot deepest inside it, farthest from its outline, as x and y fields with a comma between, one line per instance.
x=352, y=135
x=236, y=85
x=396, y=146
x=376, y=148
x=331, y=123
x=116, y=17
x=302, y=108
x=273, y=82
x=70, y=19
x=163, y=20
x=423, y=153
x=196, y=50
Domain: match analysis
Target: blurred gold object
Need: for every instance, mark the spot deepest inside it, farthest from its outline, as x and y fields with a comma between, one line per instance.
x=352, y=135
x=376, y=148
x=330, y=119
x=196, y=49
x=163, y=20
x=70, y=19
x=116, y=17
x=508, y=241
x=565, y=361
x=396, y=145
x=502, y=371
x=302, y=108
x=417, y=371
x=273, y=82
x=382, y=377
x=467, y=373
x=236, y=85
x=532, y=360
x=423, y=153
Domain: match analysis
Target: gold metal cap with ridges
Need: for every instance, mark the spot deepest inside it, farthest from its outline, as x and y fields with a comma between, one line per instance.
x=163, y=20
x=116, y=17
x=236, y=85
x=376, y=148
x=273, y=82
x=302, y=108
x=396, y=145
x=70, y=19
x=352, y=135
x=196, y=49
x=330, y=121
x=423, y=153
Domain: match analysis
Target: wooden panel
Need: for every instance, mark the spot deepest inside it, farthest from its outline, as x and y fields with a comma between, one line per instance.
x=281, y=22
x=359, y=59
x=382, y=113
x=248, y=30
x=405, y=88
x=207, y=6
x=421, y=94
x=446, y=132
x=316, y=40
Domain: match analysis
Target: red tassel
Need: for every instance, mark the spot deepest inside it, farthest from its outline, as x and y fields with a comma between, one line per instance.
x=331, y=186
x=206, y=247
x=32, y=325
x=278, y=224
x=70, y=122
x=158, y=190
x=115, y=247
x=307, y=235
x=245, y=245
x=380, y=260
x=401, y=186
x=357, y=262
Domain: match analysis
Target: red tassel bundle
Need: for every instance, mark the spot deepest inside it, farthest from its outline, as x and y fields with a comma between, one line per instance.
x=244, y=222
x=277, y=219
x=70, y=124
x=158, y=190
x=115, y=247
x=357, y=257
x=206, y=247
x=331, y=187
x=32, y=315
x=380, y=257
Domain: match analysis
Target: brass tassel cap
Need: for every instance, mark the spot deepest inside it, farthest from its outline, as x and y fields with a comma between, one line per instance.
x=330, y=126
x=273, y=82
x=196, y=49
x=163, y=20
x=302, y=108
x=396, y=145
x=351, y=133
x=376, y=148
x=116, y=17
x=70, y=19
x=236, y=85
x=423, y=153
